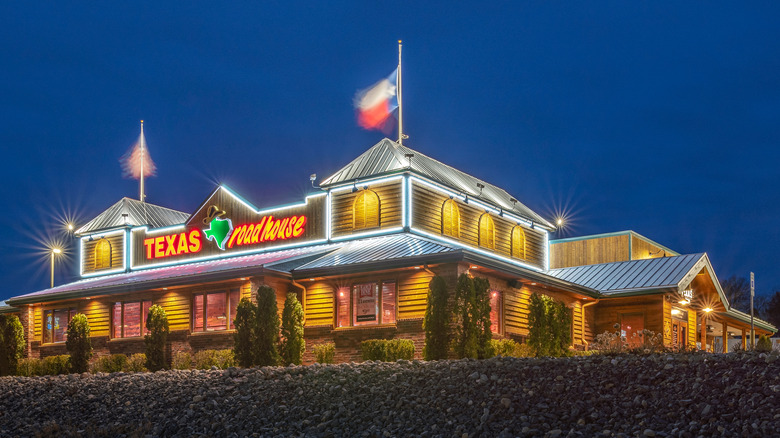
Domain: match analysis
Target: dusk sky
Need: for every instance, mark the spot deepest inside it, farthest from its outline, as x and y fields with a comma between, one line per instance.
x=657, y=117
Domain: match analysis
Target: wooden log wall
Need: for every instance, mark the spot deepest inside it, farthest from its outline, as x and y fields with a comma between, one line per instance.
x=643, y=249
x=692, y=328
x=608, y=312
x=426, y=214
x=117, y=253
x=589, y=251
x=667, y=315
x=390, y=205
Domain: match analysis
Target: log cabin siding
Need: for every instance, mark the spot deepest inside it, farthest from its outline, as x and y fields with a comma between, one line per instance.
x=427, y=215
x=390, y=206
x=642, y=249
x=98, y=315
x=589, y=251
x=117, y=253
x=667, y=315
x=177, y=306
x=691, y=327
x=319, y=308
x=609, y=311
x=516, y=303
x=412, y=295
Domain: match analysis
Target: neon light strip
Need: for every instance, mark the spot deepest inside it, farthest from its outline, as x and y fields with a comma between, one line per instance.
x=546, y=252
x=367, y=234
x=365, y=182
x=481, y=251
x=270, y=210
x=476, y=202
x=159, y=230
x=99, y=235
x=224, y=256
x=404, y=182
x=410, y=189
x=328, y=208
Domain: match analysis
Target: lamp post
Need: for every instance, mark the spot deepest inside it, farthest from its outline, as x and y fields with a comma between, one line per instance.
x=54, y=251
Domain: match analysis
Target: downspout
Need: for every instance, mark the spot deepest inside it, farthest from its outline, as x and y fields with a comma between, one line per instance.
x=303, y=302
x=584, y=341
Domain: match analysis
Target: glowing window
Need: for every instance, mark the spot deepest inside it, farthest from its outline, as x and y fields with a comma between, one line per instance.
x=366, y=304
x=214, y=311
x=495, y=311
x=487, y=232
x=55, y=324
x=129, y=319
x=518, y=242
x=450, y=219
x=102, y=254
x=365, y=212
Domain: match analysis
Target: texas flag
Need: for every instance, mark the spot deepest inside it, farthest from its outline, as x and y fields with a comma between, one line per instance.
x=376, y=104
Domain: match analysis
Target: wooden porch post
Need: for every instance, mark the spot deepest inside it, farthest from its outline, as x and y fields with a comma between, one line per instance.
x=725, y=336
x=744, y=339
x=704, y=332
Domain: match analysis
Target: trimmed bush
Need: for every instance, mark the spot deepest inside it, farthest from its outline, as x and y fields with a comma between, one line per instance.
x=549, y=326
x=292, y=345
x=181, y=361
x=387, y=350
x=325, y=353
x=505, y=347
x=267, y=327
x=78, y=344
x=436, y=322
x=12, y=344
x=55, y=365
x=471, y=317
x=221, y=359
x=109, y=364
x=764, y=344
x=29, y=367
x=244, y=337
x=135, y=363
x=157, y=325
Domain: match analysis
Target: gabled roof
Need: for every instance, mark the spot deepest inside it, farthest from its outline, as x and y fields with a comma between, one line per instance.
x=388, y=157
x=138, y=213
x=662, y=273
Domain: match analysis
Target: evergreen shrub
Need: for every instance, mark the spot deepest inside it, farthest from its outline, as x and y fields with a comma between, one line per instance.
x=292, y=343
x=135, y=363
x=471, y=318
x=436, y=322
x=181, y=361
x=29, y=367
x=325, y=353
x=764, y=344
x=387, y=350
x=222, y=359
x=244, y=337
x=549, y=326
x=109, y=364
x=12, y=344
x=78, y=343
x=55, y=365
x=267, y=327
x=506, y=348
x=155, y=340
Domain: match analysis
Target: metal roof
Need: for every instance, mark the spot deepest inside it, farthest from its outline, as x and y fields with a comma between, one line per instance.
x=158, y=277
x=633, y=275
x=138, y=213
x=388, y=156
x=379, y=249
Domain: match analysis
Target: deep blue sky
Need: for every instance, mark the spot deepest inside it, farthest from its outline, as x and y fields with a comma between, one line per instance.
x=651, y=116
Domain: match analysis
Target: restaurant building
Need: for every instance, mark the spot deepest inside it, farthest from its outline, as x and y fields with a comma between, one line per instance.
x=359, y=253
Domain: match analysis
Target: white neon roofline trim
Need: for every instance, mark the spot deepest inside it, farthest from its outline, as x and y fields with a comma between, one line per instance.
x=83, y=239
x=449, y=192
x=479, y=250
x=272, y=209
x=404, y=183
x=365, y=182
x=367, y=234
x=154, y=231
x=226, y=255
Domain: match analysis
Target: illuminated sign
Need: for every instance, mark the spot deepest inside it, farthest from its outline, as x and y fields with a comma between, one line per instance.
x=267, y=229
x=187, y=242
x=687, y=294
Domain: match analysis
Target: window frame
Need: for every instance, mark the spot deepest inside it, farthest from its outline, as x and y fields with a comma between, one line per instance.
x=454, y=219
x=349, y=297
x=518, y=253
x=499, y=295
x=490, y=228
x=229, y=326
x=72, y=311
x=361, y=196
x=122, y=324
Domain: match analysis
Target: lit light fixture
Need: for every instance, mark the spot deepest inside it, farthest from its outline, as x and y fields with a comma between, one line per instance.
x=312, y=178
x=54, y=251
x=533, y=284
x=707, y=309
x=416, y=267
x=474, y=267
x=684, y=302
x=495, y=294
x=70, y=226
x=559, y=222
x=242, y=278
x=311, y=279
x=676, y=311
x=165, y=288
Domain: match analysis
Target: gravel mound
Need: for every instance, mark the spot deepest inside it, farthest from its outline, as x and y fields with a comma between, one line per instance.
x=688, y=395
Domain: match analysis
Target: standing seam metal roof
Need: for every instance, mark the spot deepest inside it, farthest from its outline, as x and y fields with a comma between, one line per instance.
x=388, y=156
x=662, y=272
x=138, y=213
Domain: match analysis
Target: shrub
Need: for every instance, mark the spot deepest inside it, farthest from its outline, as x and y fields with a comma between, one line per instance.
x=325, y=353
x=549, y=326
x=267, y=327
x=12, y=344
x=29, y=367
x=181, y=361
x=293, y=345
x=471, y=317
x=387, y=350
x=764, y=344
x=436, y=322
x=244, y=338
x=614, y=343
x=55, y=365
x=506, y=348
x=221, y=359
x=78, y=344
x=135, y=363
x=157, y=324
x=109, y=364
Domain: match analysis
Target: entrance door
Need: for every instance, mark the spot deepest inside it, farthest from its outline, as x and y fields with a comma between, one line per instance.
x=679, y=334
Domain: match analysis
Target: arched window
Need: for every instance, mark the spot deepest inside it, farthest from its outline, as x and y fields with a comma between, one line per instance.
x=102, y=254
x=487, y=232
x=365, y=212
x=450, y=219
x=518, y=242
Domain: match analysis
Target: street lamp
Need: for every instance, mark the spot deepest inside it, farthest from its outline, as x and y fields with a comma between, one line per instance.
x=54, y=251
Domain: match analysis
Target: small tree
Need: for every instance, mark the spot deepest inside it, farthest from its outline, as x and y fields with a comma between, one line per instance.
x=155, y=340
x=482, y=317
x=436, y=321
x=244, y=337
x=78, y=344
x=471, y=316
x=293, y=345
x=12, y=344
x=549, y=326
x=267, y=327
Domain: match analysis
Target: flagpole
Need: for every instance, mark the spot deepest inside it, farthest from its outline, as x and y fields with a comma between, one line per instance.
x=143, y=151
x=400, y=101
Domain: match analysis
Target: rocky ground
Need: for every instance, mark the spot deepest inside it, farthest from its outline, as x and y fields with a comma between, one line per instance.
x=688, y=395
